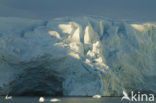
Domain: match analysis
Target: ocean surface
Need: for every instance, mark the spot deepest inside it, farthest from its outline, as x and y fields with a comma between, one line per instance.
x=67, y=100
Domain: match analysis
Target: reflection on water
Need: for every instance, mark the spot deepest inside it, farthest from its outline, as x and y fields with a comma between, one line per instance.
x=65, y=100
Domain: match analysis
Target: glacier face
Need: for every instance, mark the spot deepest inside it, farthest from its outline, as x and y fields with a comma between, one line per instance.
x=76, y=56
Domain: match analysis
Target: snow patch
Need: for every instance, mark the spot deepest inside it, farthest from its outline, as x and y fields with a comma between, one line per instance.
x=66, y=28
x=90, y=35
x=138, y=27
x=55, y=34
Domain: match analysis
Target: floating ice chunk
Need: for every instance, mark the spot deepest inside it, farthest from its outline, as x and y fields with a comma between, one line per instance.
x=54, y=100
x=8, y=97
x=97, y=96
x=41, y=99
x=55, y=34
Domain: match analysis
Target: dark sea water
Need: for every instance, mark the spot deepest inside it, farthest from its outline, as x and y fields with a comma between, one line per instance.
x=67, y=100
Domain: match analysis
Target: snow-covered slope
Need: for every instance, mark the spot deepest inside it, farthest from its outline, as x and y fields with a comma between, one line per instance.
x=80, y=56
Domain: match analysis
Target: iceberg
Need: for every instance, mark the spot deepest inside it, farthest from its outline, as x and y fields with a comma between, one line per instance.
x=76, y=56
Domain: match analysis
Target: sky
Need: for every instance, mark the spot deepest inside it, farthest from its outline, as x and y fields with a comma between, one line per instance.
x=47, y=9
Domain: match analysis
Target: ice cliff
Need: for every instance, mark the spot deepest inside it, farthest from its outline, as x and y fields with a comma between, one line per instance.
x=76, y=56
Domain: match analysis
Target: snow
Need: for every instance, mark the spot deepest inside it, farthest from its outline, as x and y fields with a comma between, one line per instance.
x=66, y=28
x=55, y=34
x=76, y=56
x=76, y=35
x=138, y=27
x=97, y=96
x=55, y=100
x=90, y=36
x=41, y=99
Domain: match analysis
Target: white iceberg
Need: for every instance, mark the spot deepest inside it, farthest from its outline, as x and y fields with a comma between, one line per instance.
x=77, y=56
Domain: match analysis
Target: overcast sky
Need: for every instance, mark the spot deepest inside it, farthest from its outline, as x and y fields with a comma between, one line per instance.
x=125, y=9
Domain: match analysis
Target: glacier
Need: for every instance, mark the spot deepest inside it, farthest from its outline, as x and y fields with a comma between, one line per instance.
x=76, y=56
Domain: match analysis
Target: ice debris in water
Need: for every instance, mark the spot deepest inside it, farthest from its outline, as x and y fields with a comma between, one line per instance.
x=41, y=99
x=97, y=96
